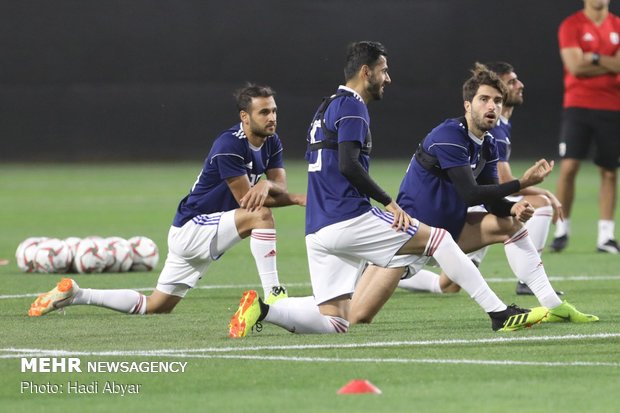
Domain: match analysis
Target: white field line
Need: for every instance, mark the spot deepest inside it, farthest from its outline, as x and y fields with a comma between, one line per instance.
x=363, y=360
x=13, y=352
x=246, y=286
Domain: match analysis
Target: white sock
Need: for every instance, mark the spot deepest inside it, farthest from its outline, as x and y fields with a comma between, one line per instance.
x=461, y=270
x=125, y=301
x=528, y=267
x=301, y=315
x=538, y=226
x=263, y=247
x=562, y=228
x=605, y=231
x=423, y=280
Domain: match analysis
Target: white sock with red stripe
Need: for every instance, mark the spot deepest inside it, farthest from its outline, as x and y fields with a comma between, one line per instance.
x=301, y=315
x=461, y=270
x=263, y=247
x=528, y=267
x=125, y=301
x=423, y=280
x=538, y=226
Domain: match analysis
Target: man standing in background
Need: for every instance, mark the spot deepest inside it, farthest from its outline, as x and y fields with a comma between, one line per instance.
x=589, y=45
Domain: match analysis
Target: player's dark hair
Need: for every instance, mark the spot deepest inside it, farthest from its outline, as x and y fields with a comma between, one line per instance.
x=360, y=54
x=481, y=75
x=251, y=90
x=501, y=68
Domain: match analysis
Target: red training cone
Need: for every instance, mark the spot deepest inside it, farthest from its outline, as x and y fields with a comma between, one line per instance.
x=359, y=387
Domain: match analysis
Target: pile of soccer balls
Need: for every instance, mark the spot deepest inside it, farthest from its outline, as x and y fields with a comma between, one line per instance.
x=87, y=255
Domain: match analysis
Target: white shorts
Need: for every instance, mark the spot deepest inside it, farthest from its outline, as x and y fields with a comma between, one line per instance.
x=193, y=247
x=338, y=253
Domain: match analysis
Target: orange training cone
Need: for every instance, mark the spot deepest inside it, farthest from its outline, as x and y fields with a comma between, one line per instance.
x=359, y=387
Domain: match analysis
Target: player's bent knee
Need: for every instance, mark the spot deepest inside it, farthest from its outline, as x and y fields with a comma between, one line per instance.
x=361, y=318
x=539, y=201
x=264, y=217
x=509, y=225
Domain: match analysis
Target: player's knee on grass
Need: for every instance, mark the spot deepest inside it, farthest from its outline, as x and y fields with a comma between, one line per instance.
x=361, y=316
x=447, y=285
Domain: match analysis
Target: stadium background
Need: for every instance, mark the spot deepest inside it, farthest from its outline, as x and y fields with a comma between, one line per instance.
x=152, y=79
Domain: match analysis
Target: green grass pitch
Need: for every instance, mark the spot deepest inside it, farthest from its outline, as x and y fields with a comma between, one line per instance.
x=426, y=353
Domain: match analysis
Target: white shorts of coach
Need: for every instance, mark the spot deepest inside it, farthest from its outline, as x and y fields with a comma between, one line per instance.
x=193, y=247
x=339, y=253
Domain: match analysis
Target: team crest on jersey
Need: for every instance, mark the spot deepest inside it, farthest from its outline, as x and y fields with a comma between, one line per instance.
x=614, y=38
x=587, y=37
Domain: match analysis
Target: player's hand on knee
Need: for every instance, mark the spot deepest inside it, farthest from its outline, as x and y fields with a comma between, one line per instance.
x=402, y=220
x=256, y=196
x=556, y=205
x=522, y=210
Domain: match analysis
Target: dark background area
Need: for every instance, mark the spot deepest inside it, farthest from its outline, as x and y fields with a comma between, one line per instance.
x=153, y=79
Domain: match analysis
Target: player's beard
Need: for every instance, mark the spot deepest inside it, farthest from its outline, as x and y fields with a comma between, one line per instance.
x=513, y=101
x=374, y=88
x=481, y=123
x=262, y=132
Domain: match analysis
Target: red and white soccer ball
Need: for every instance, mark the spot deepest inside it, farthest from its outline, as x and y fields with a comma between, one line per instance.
x=121, y=253
x=73, y=242
x=90, y=257
x=53, y=256
x=102, y=244
x=145, y=253
x=25, y=253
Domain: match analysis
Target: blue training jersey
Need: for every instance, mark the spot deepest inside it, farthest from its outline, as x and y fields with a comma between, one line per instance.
x=502, y=133
x=434, y=200
x=231, y=155
x=331, y=198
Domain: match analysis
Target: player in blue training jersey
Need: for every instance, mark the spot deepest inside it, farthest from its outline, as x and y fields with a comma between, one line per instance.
x=228, y=202
x=455, y=167
x=546, y=206
x=344, y=231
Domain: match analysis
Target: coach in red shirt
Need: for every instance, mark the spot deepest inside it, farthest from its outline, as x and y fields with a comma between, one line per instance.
x=589, y=47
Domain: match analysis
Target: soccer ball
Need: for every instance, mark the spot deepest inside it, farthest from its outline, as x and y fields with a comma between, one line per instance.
x=73, y=242
x=53, y=255
x=89, y=257
x=145, y=253
x=102, y=245
x=121, y=253
x=25, y=253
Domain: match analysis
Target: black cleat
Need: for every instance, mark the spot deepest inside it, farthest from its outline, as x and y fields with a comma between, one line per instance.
x=611, y=246
x=515, y=318
x=559, y=243
x=523, y=289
